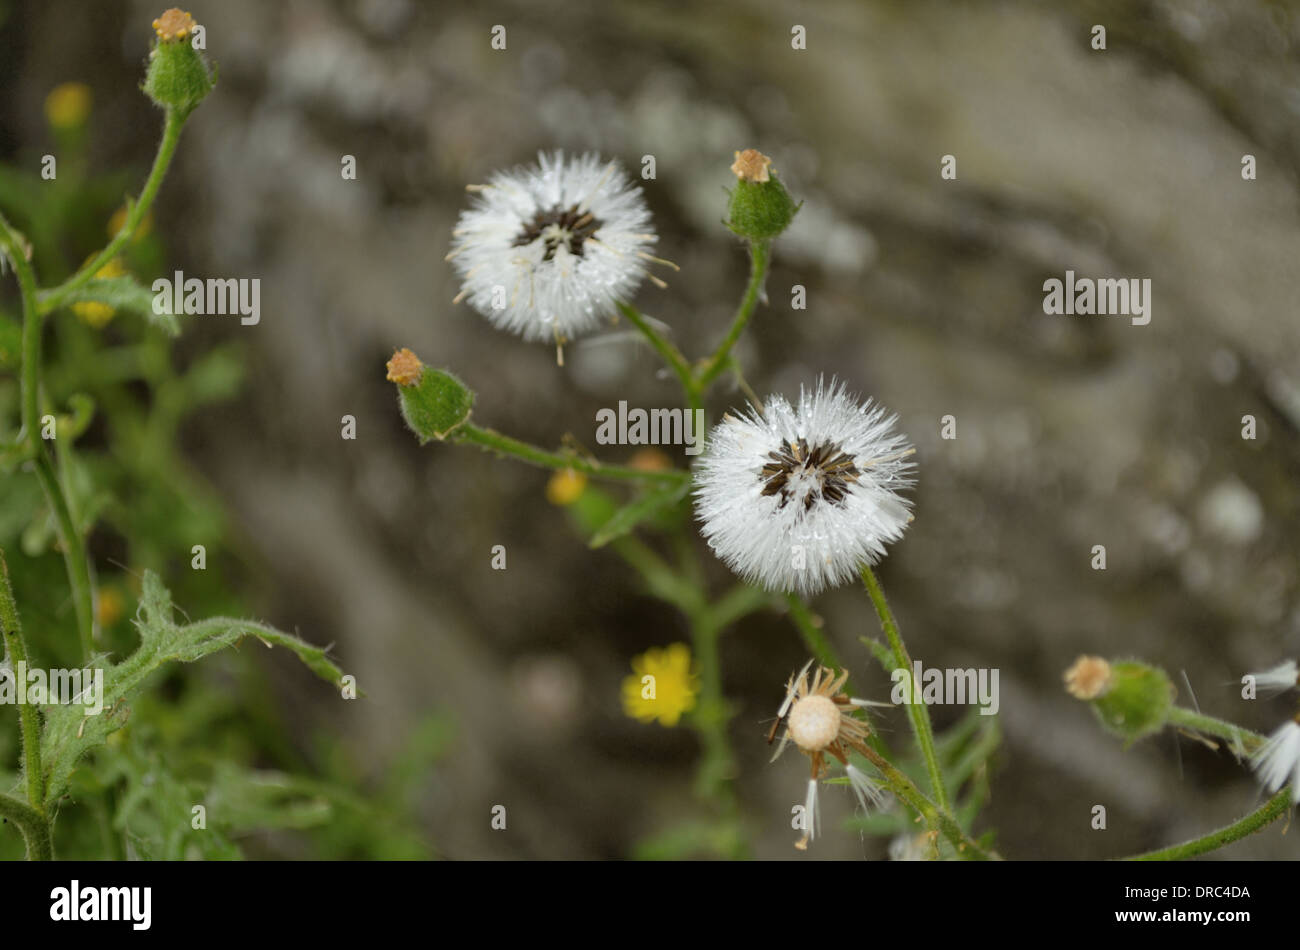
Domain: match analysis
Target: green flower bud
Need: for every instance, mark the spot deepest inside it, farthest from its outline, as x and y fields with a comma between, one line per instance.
x=1132, y=700
x=178, y=76
x=434, y=403
x=760, y=207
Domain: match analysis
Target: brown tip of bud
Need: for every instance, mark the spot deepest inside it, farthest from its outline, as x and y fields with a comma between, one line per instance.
x=173, y=25
x=1088, y=678
x=751, y=165
x=650, y=460
x=404, y=368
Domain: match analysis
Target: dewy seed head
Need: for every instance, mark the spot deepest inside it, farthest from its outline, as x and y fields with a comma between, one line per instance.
x=814, y=723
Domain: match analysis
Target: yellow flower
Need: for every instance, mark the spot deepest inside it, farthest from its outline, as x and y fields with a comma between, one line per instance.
x=662, y=685
x=92, y=312
x=68, y=105
x=565, y=487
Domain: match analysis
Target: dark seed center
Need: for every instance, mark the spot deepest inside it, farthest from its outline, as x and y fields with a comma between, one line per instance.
x=567, y=226
x=829, y=470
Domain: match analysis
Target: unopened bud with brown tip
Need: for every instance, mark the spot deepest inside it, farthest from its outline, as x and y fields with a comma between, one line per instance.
x=760, y=208
x=1131, y=699
x=434, y=403
x=178, y=77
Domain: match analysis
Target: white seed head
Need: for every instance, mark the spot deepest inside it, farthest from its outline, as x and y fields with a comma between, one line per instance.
x=799, y=497
x=1277, y=761
x=812, y=815
x=869, y=793
x=546, y=251
x=910, y=847
x=814, y=723
x=1278, y=679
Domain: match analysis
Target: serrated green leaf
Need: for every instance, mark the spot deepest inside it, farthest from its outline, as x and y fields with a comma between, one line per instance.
x=632, y=514
x=125, y=293
x=69, y=733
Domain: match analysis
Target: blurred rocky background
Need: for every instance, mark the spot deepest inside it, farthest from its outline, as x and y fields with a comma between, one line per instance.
x=1072, y=431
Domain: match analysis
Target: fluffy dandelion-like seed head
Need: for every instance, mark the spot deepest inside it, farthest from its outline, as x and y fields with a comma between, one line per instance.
x=1279, y=679
x=797, y=498
x=1088, y=678
x=547, y=251
x=1277, y=761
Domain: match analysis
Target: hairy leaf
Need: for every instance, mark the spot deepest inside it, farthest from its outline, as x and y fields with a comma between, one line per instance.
x=69, y=733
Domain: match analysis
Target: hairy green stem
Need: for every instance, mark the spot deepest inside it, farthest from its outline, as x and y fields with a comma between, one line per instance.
x=175, y=121
x=15, y=249
x=494, y=441
x=711, y=716
x=938, y=819
x=665, y=348
x=74, y=554
x=759, y=257
x=1243, y=739
x=916, y=710
x=1270, y=811
x=35, y=826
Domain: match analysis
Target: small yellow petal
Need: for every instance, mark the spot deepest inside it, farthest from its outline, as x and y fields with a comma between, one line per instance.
x=68, y=105
x=565, y=487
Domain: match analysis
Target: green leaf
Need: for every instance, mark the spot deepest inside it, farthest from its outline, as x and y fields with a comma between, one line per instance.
x=125, y=293
x=632, y=514
x=69, y=733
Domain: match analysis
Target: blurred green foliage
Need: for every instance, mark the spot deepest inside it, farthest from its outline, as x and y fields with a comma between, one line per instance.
x=209, y=734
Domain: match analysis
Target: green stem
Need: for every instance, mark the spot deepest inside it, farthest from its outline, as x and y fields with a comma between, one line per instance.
x=741, y=601
x=1270, y=811
x=51, y=299
x=503, y=444
x=74, y=554
x=710, y=717
x=1244, y=739
x=935, y=817
x=15, y=249
x=36, y=827
x=665, y=348
x=661, y=580
x=916, y=710
x=813, y=637
x=759, y=256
